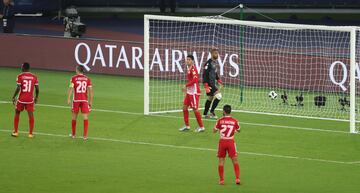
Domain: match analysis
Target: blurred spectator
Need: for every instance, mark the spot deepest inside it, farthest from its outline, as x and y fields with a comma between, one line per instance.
x=7, y=16
x=170, y=3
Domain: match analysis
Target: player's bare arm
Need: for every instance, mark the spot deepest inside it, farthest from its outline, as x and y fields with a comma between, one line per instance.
x=238, y=130
x=91, y=96
x=184, y=88
x=37, y=91
x=17, y=90
x=70, y=89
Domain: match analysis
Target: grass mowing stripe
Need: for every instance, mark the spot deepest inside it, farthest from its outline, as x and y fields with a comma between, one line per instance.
x=196, y=148
x=176, y=117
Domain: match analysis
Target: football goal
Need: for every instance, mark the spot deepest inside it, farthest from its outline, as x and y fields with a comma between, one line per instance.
x=307, y=71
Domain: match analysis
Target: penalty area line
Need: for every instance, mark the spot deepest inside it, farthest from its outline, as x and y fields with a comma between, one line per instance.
x=195, y=148
x=177, y=117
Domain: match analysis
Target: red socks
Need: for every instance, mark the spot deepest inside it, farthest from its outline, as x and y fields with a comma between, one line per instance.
x=16, y=122
x=86, y=125
x=237, y=171
x=31, y=124
x=197, y=115
x=198, y=119
x=221, y=172
x=73, y=127
x=186, y=117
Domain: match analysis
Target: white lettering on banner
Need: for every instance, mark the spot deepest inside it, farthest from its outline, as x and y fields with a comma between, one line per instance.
x=344, y=74
x=99, y=56
x=111, y=57
x=161, y=60
x=197, y=63
x=88, y=55
x=156, y=60
x=222, y=63
x=344, y=77
x=234, y=65
x=166, y=59
x=122, y=58
x=209, y=56
x=136, y=58
x=176, y=60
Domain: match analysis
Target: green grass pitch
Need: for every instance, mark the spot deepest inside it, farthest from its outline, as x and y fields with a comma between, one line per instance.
x=132, y=153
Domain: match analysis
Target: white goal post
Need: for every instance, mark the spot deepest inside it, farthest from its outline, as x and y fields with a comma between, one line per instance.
x=312, y=68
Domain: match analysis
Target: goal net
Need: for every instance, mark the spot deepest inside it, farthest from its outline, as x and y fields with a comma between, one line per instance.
x=267, y=68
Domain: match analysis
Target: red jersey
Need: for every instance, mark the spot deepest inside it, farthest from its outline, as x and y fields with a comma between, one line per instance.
x=227, y=127
x=27, y=82
x=192, y=86
x=80, y=83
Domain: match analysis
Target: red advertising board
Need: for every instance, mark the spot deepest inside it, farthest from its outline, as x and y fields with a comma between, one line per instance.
x=259, y=68
x=57, y=53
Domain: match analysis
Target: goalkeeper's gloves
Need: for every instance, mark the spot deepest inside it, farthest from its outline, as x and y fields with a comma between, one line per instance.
x=207, y=88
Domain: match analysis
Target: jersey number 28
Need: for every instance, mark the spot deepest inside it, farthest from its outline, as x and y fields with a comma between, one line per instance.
x=81, y=86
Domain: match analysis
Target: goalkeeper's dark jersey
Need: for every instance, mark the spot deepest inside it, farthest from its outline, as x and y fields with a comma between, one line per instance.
x=210, y=74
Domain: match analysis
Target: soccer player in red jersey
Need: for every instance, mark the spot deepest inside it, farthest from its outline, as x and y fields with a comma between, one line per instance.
x=24, y=98
x=80, y=86
x=227, y=127
x=192, y=90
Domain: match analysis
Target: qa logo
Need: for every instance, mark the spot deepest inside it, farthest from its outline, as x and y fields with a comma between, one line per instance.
x=341, y=83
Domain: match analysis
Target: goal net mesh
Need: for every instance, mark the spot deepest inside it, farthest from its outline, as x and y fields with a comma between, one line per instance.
x=307, y=68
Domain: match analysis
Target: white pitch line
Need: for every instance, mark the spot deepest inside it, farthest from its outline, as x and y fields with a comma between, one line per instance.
x=268, y=125
x=68, y=107
x=195, y=148
x=176, y=117
x=300, y=158
x=354, y=162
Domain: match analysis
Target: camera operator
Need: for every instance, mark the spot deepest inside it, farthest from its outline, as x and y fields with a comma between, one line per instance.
x=7, y=16
x=68, y=22
x=73, y=26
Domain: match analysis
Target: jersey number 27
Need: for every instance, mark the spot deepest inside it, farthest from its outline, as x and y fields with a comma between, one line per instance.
x=226, y=130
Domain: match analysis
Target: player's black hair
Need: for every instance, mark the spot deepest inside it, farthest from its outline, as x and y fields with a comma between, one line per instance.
x=227, y=109
x=191, y=57
x=80, y=68
x=26, y=66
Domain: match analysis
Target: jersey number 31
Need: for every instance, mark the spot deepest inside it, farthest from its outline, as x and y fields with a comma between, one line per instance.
x=27, y=85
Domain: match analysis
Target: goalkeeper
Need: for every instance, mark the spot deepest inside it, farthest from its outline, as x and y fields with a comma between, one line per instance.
x=210, y=77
